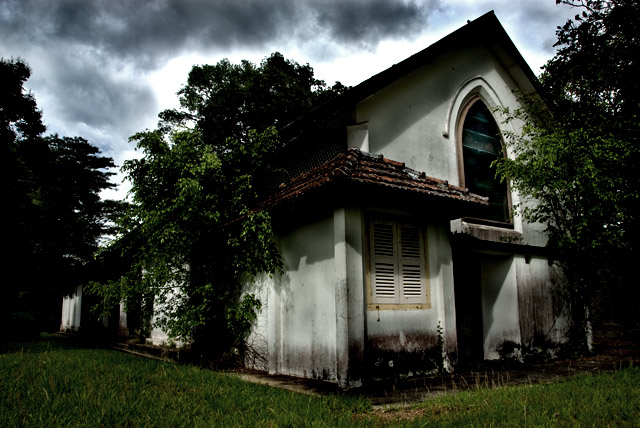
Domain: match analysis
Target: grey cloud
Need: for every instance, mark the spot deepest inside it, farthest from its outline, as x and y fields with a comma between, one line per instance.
x=146, y=34
x=534, y=19
x=91, y=93
x=84, y=43
x=367, y=22
x=90, y=57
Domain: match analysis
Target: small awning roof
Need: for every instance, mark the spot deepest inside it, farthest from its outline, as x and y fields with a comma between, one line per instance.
x=355, y=170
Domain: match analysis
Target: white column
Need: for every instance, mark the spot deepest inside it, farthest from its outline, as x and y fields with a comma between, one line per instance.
x=349, y=296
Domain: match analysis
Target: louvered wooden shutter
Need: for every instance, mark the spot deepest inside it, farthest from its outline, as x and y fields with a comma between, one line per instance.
x=397, y=254
x=384, y=263
x=411, y=265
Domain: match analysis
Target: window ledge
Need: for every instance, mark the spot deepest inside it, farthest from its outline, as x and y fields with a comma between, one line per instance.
x=396, y=306
x=485, y=232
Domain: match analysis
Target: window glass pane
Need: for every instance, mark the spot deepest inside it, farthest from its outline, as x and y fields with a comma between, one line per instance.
x=480, y=147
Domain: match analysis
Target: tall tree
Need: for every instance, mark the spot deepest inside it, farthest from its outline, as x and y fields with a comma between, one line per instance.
x=197, y=238
x=20, y=124
x=577, y=155
x=55, y=214
x=227, y=100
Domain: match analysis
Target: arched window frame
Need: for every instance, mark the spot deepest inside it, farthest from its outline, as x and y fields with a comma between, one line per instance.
x=473, y=90
x=461, y=161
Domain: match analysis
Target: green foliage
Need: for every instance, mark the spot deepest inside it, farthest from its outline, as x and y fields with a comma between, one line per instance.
x=54, y=214
x=574, y=161
x=199, y=238
x=193, y=235
x=595, y=70
x=226, y=100
x=20, y=118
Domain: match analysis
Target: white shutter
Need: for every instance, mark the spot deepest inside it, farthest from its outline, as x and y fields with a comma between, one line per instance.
x=384, y=263
x=411, y=263
x=397, y=263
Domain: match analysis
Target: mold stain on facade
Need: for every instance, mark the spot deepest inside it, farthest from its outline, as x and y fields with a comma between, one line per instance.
x=394, y=356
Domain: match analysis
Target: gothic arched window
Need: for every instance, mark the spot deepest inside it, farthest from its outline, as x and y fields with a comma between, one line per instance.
x=481, y=145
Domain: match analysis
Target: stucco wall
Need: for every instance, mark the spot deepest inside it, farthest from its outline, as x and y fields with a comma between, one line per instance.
x=314, y=322
x=257, y=356
x=158, y=336
x=500, y=315
x=544, y=311
x=300, y=324
x=72, y=310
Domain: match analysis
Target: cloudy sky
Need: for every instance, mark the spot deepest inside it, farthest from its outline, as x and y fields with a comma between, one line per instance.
x=104, y=69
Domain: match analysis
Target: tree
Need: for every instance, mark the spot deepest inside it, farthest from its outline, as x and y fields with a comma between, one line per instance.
x=197, y=236
x=20, y=123
x=226, y=100
x=576, y=156
x=55, y=214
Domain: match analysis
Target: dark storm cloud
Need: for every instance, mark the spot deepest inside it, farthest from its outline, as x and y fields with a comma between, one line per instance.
x=91, y=58
x=145, y=33
x=366, y=22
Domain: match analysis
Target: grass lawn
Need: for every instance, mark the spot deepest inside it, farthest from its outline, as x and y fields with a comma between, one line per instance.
x=51, y=382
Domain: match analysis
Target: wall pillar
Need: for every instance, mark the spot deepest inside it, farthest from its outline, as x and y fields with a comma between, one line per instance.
x=349, y=295
x=274, y=326
x=440, y=260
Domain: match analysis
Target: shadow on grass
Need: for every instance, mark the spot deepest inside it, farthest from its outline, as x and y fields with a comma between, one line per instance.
x=45, y=342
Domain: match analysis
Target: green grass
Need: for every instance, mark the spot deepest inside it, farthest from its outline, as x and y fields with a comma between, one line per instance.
x=603, y=400
x=51, y=382
x=48, y=383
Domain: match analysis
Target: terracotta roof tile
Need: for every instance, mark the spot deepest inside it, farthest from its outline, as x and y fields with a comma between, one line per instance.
x=357, y=167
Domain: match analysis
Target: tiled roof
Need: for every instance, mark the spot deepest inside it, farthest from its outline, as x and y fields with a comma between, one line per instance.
x=373, y=171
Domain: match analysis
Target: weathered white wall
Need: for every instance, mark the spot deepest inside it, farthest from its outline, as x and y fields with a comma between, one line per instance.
x=544, y=311
x=500, y=315
x=443, y=292
x=407, y=119
x=157, y=336
x=348, y=241
x=123, y=328
x=311, y=323
x=303, y=303
x=257, y=356
x=72, y=310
